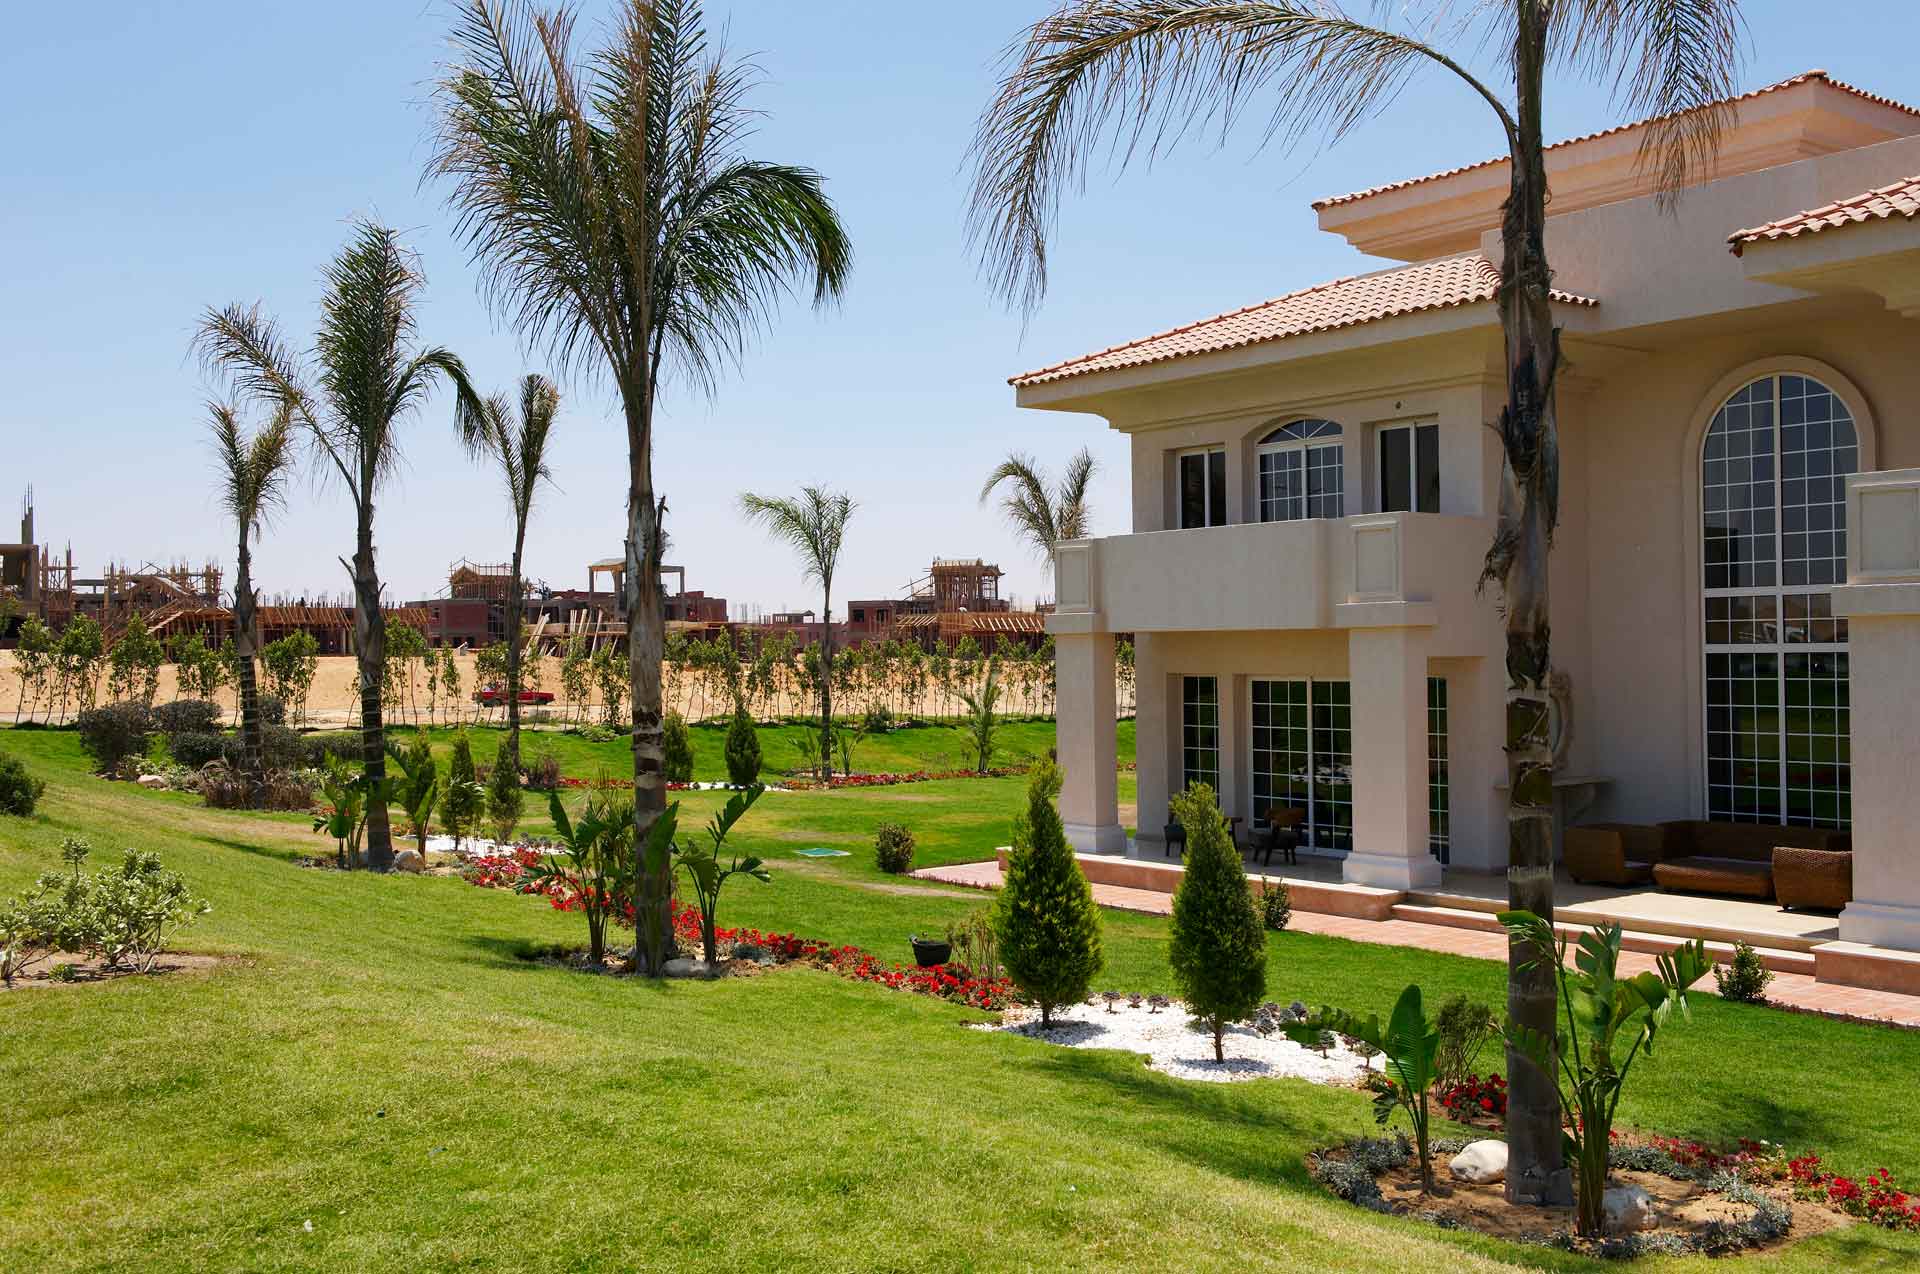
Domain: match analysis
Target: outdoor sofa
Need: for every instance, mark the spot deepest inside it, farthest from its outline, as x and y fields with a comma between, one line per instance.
x=1804, y=866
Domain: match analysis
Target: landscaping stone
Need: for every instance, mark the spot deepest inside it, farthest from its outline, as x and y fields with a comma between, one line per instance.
x=685, y=968
x=1481, y=1163
x=1627, y=1209
x=409, y=860
x=154, y=781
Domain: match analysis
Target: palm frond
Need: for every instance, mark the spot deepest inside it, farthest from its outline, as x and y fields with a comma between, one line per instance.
x=814, y=525
x=1676, y=60
x=1149, y=73
x=1074, y=517
x=253, y=470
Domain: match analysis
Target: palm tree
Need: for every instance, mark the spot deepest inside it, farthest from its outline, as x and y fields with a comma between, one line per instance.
x=1041, y=516
x=815, y=525
x=618, y=224
x=254, y=470
x=518, y=444
x=1156, y=70
x=362, y=379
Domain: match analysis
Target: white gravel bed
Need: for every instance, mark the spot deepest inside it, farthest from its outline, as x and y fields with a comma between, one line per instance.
x=1174, y=1048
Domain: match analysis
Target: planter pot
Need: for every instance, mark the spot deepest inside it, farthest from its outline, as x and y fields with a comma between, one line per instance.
x=928, y=952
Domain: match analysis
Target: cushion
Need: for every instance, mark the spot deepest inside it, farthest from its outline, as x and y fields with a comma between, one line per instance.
x=1701, y=874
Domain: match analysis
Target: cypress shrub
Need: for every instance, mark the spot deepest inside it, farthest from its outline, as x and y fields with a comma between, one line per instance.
x=1044, y=921
x=1218, y=948
x=743, y=749
x=505, y=800
x=460, y=807
x=19, y=790
x=677, y=750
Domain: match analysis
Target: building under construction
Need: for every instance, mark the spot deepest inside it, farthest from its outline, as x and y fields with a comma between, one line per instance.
x=172, y=599
x=956, y=599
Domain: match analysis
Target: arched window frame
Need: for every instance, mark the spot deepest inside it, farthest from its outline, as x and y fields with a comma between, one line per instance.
x=1771, y=649
x=1311, y=452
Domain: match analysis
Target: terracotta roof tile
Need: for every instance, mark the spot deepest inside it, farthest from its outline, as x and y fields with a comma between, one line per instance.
x=1901, y=199
x=1349, y=302
x=1802, y=78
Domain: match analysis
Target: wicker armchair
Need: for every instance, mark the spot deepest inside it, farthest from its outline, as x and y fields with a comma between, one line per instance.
x=1612, y=853
x=1812, y=879
x=1281, y=831
x=1175, y=835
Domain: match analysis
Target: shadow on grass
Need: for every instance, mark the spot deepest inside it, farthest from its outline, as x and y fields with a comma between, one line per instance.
x=279, y=853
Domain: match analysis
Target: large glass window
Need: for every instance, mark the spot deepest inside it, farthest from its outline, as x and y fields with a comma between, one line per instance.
x=1302, y=756
x=1774, y=541
x=1410, y=468
x=1200, y=732
x=1302, y=472
x=1203, y=488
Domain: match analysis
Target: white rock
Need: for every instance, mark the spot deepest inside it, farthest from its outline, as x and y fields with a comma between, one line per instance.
x=1174, y=1049
x=1625, y=1209
x=685, y=968
x=153, y=781
x=409, y=860
x=1481, y=1163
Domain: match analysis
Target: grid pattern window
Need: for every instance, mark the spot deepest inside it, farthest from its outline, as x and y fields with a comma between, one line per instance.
x=1203, y=488
x=1200, y=732
x=1302, y=472
x=1773, y=534
x=1439, y=797
x=1302, y=756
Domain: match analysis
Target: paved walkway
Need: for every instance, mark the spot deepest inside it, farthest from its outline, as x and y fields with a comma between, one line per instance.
x=1793, y=990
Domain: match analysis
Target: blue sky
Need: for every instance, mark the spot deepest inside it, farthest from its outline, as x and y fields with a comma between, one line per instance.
x=163, y=158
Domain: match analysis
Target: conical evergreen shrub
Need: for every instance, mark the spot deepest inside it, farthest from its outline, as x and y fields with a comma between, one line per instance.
x=1218, y=948
x=1045, y=921
x=676, y=749
x=743, y=749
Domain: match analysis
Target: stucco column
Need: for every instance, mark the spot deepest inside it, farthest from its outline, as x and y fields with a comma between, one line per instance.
x=1086, y=723
x=1388, y=671
x=1881, y=601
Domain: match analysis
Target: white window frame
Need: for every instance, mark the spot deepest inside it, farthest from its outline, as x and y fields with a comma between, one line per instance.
x=1335, y=442
x=1212, y=516
x=1412, y=429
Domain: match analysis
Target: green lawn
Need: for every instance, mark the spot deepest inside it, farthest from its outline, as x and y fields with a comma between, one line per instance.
x=377, y=1060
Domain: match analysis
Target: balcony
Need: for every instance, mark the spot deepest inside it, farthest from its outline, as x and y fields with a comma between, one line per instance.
x=1372, y=570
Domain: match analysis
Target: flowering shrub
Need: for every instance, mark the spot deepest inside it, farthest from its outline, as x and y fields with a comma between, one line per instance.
x=943, y=981
x=1474, y=1096
x=1744, y=1157
x=502, y=871
x=1877, y=1199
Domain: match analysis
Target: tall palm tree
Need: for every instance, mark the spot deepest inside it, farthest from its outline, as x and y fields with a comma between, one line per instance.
x=618, y=223
x=1042, y=515
x=363, y=377
x=517, y=442
x=1154, y=71
x=815, y=524
x=254, y=470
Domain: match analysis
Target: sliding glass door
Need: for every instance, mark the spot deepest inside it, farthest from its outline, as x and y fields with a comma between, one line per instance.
x=1302, y=756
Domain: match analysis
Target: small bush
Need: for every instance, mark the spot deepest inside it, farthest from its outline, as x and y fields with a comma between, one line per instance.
x=19, y=790
x=1276, y=904
x=317, y=748
x=505, y=801
x=273, y=709
x=893, y=849
x=743, y=749
x=137, y=905
x=460, y=807
x=1045, y=923
x=677, y=746
x=1217, y=949
x=877, y=719
x=187, y=716
x=283, y=748
x=1466, y=1027
x=194, y=748
x=1746, y=979
x=543, y=770
x=116, y=733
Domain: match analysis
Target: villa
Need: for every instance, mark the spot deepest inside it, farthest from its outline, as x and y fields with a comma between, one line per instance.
x=1736, y=578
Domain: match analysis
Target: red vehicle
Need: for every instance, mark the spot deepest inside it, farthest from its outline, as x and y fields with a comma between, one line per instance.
x=497, y=693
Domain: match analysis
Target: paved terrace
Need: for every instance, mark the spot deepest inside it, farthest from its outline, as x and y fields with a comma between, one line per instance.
x=1458, y=919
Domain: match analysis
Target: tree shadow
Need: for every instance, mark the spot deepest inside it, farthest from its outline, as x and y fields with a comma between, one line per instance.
x=280, y=853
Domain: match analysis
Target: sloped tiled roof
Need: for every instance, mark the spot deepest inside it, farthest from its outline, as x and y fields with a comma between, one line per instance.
x=1802, y=78
x=1901, y=199
x=1349, y=302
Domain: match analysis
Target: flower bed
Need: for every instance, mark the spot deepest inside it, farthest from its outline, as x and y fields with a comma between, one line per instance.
x=1476, y=1098
x=1876, y=1199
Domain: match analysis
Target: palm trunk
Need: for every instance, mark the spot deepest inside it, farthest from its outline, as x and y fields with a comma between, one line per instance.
x=510, y=753
x=252, y=744
x=646, y=645
x=1529, y=506
x=370, y=645
x=826, y=685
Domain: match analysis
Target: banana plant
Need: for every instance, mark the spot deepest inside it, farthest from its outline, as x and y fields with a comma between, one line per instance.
x=703, y=867
x=417, y=787
x=1608, y=1023
x=1409, y=1043
x=346, y=800
x=598, y=869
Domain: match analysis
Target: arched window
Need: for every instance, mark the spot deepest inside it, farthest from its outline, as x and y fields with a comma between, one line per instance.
x=1774, y=541
x=1301, y=472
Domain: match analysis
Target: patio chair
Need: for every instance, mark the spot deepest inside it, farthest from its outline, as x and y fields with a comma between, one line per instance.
x=1281, y=831
x=1175, y=835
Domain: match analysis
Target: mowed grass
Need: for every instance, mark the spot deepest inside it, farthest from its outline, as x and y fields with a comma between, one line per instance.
x=377, y=1059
